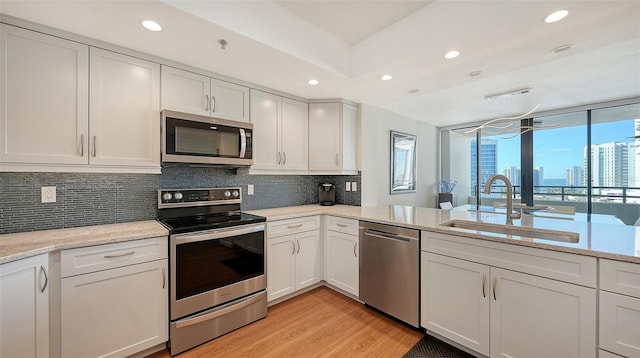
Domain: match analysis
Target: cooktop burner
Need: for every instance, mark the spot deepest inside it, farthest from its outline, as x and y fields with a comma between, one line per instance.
x=187, y=210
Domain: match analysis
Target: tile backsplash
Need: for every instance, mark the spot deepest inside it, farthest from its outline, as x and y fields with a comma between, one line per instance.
x=84, y=199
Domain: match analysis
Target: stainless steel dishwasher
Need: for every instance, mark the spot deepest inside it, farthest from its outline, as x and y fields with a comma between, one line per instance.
x=389, y=270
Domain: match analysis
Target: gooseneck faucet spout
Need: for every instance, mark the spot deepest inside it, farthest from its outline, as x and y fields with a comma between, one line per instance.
x=487, y=190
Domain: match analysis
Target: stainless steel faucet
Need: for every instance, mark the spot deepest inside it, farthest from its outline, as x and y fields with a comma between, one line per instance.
x=487, y=190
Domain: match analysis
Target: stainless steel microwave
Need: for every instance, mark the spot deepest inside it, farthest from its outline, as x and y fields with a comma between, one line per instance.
x=190, y=138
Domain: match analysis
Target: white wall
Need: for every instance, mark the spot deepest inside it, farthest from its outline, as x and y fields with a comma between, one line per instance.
x=376, y=124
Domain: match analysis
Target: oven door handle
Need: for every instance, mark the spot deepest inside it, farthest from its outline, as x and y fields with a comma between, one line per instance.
x=216, y=234
x=221, y=311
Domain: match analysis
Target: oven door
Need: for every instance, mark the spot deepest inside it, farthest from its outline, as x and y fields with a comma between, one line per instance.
x=209, y=268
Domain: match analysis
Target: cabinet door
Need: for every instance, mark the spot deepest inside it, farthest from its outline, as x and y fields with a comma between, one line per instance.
x=455, y=300
x=620, y=324
x=538, y=317
x=115, y=313
x=185, y=91
x=125, y=110
x=342, y=261
x=265, y=116
x=324, y=136
x=294, y=133
x=280, y=267
x=229, y=101
x=308, y=254
x=24, y=308
x=44, y=98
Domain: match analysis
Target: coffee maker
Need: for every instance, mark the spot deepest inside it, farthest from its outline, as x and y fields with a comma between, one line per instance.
x=327, y=194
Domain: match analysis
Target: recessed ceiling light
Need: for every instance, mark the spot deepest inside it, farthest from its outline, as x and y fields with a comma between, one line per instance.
x=562, y=48
x=474, y=73
x=451, y=54
x=151, y=25
x=556, y=16
x=313, y=82
x=414, y=90
x=386, y=77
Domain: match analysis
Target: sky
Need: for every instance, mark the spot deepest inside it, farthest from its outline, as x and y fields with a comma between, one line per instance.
x=560, y=148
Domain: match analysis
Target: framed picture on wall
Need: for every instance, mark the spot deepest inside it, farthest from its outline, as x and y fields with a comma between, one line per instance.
x=403, y=163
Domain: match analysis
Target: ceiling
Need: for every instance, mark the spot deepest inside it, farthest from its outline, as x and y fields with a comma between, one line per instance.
x=348, y=45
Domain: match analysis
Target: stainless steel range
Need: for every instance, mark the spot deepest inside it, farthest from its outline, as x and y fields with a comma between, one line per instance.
x=217, y=264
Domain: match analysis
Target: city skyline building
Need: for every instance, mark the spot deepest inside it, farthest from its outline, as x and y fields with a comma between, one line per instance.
x=514, y=175
x=488, y=161
x=613, y=164
x=575, y=177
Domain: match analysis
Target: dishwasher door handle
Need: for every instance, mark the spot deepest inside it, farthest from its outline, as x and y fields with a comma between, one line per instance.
x=385, y=235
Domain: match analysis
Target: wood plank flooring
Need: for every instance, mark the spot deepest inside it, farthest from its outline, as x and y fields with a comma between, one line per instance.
x=319, y=323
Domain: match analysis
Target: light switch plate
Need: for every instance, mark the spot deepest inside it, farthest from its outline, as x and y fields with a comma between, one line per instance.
x=250, y=189
x=348, y=187
x=354, y=186
x=48, y=194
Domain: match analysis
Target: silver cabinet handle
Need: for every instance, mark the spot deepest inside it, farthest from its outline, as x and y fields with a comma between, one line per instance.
x=342, y=225
x=213, y=103
x=120, y=255
x=206, y=102
x=294, y=226
x=46, y=279
x=495, y=283
x=337, y=159
x=164, y=278
x=293, y=246
x=94, y=146
x=297, y=252
x=82, y=145
x=284, y=155
x=278, y=157
x=355, y=246
x=484, y=280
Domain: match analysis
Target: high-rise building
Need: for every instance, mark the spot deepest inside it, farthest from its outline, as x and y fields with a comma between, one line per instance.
x=538, y=176
x=574, y=176
x=513, y=174
x=488, y=161
x=612, y=164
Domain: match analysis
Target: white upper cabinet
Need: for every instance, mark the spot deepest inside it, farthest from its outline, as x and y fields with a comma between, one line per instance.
x=124, y=110
x=280, y=128
x=333, y=137
x=44, y=99
x=190, y=92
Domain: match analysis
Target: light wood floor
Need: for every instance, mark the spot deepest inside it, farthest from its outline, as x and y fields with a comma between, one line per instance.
x=319, y=323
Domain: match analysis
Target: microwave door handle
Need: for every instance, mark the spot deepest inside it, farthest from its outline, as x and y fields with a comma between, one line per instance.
x=243, y=142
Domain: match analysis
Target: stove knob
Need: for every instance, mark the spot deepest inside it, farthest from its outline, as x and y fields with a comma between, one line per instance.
x=227, y=194
x=167, y=196
x=235, y=194
x=178, y=196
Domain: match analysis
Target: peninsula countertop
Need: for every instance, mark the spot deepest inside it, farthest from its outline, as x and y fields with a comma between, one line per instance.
x=611, y=241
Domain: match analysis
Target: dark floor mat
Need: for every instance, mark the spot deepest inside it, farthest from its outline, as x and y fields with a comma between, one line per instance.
x=429, y=347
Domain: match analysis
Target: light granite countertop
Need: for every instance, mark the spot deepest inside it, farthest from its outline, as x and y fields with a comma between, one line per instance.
x=616, y=242
x=21, y=245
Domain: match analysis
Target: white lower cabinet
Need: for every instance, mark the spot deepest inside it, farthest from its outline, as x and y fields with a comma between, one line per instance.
x=115, y=312
x=293, y=256
x=24, y=308
x=341, y=254
x=499, y=312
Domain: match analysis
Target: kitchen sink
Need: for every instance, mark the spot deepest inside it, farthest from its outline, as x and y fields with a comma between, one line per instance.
x=563, y=236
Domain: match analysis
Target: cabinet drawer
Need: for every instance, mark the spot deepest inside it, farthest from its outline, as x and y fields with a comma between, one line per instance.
x=620, y=277
x=577, y=269
x=102, y=257
x=292, y=226
x=620, y=324
x=345, y=226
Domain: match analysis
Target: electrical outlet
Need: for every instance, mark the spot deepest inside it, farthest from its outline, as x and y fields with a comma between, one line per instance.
x=48, y=194
x=354, y=186
x=250, y=189
x=348, y=186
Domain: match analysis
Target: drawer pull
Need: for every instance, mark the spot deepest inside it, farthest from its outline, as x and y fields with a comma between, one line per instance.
x=293, y=246
x=119, y=256
x=294, y=226
x=342, y=225
x=46, y=279
x=484, y=281
x=495, y=283
x=355, y=246
x=164, y=278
